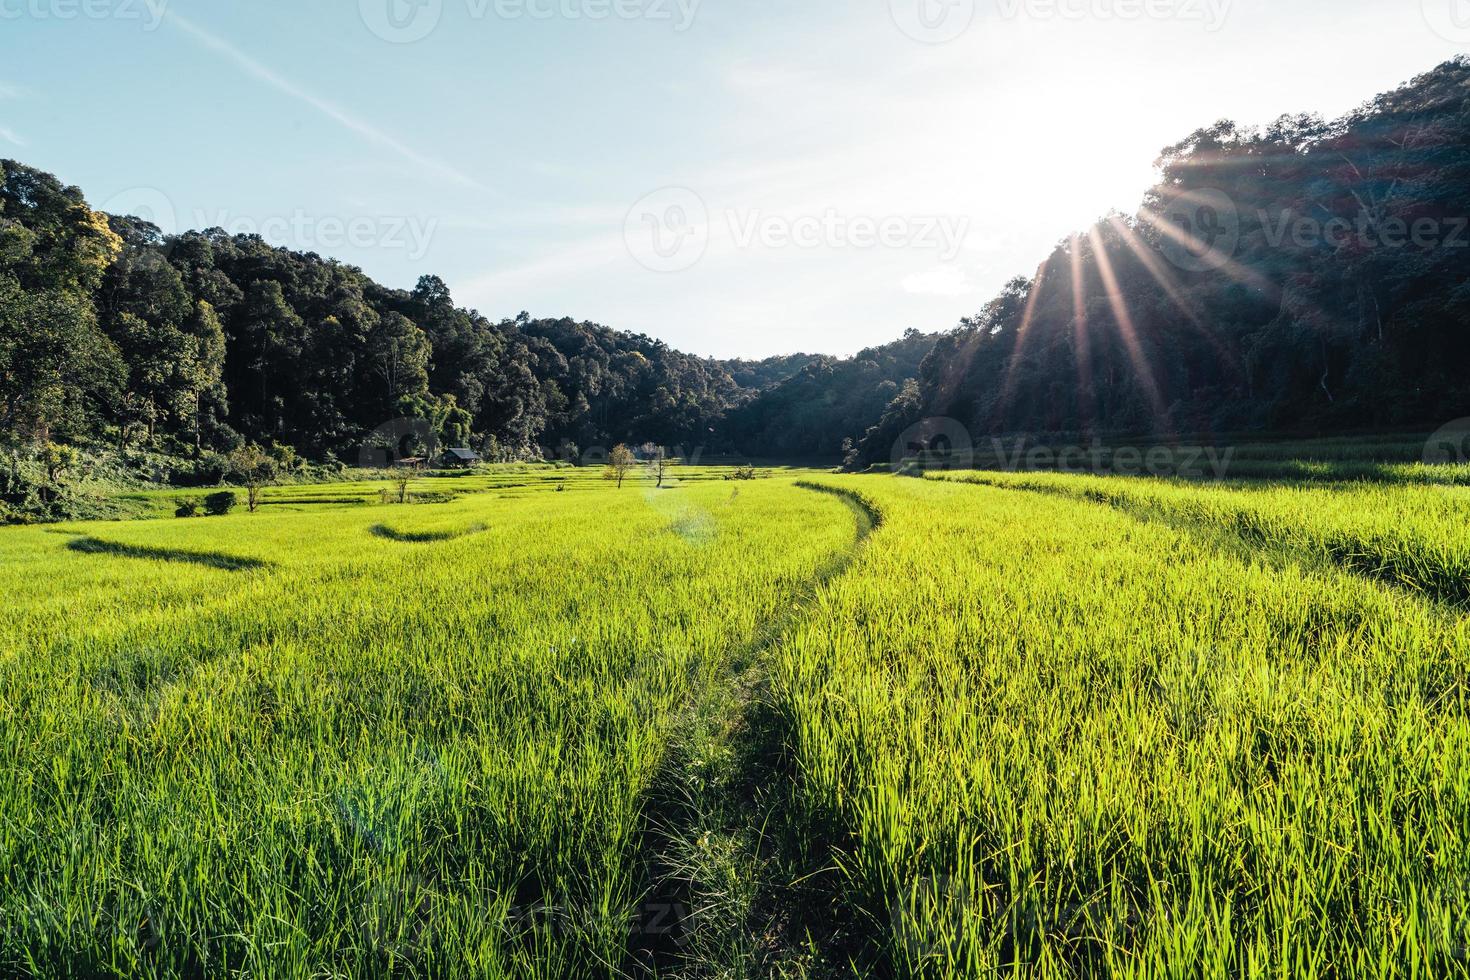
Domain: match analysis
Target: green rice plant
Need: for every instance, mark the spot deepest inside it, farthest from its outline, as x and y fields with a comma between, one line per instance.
x=1040, y=737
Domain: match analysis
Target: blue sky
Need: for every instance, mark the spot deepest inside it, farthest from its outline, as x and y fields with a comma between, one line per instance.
x=737, y=177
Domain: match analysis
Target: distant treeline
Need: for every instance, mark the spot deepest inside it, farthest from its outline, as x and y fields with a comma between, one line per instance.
x=1312, y=275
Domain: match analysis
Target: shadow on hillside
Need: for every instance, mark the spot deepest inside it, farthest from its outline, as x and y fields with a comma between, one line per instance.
x=209, y=559
x=422, y=537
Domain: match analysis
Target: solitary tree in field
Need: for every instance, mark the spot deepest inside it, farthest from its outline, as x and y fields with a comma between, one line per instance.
x=256, y=468
x=659, y=463
x=401, y=479
x=619, y=462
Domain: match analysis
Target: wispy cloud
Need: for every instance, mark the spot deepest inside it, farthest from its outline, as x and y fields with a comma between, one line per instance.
x=8, y=91
x=557, y=266
x=10, y=136
x=372, y=133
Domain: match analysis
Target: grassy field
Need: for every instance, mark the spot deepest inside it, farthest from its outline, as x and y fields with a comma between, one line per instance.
x=810, y=725
x=1058, y=737
x=365, y=740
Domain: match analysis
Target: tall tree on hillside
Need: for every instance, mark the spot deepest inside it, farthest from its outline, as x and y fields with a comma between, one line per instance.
x=400, y=355
x=203, y=402
x=266, y=355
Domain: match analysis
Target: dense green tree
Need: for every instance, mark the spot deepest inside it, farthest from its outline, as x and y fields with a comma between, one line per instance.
x=203, y=402
x=399, y=353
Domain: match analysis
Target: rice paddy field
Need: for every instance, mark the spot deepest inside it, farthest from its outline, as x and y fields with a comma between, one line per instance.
x=811, y=725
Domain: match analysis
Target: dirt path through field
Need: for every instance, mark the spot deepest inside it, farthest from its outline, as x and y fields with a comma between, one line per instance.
x=727, y=896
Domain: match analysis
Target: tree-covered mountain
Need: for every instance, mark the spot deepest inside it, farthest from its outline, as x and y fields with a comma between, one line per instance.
x=112, y=333
x=1310, y=274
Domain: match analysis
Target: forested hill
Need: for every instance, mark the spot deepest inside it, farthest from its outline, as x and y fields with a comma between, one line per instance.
x=1311, y=274
x=112, y=334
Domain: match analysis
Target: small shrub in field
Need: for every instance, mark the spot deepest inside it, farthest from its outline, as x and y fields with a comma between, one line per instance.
x=186, y=507
x=219, y=504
